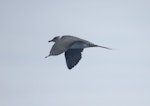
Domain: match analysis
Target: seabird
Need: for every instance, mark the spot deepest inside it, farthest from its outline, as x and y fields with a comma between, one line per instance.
x=72, y=46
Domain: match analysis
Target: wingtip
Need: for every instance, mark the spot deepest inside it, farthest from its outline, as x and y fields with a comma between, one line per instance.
x=46, y=56
x=70, y=68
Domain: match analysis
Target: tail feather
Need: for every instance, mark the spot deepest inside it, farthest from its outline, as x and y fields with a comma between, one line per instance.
x=104, y=47
x=93, y=45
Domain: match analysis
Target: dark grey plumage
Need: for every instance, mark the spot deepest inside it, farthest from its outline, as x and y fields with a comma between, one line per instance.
x=72, y=46
x=73, y=56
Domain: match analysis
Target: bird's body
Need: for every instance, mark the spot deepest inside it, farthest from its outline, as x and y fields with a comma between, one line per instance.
x=72, y=46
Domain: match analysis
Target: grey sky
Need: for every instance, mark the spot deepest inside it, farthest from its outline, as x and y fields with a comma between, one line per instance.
x=102, y=77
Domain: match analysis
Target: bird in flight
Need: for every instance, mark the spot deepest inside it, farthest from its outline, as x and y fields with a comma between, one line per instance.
x=72, y=47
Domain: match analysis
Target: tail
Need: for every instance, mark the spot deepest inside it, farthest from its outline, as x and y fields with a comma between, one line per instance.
x=104, y=47
x=93, y=45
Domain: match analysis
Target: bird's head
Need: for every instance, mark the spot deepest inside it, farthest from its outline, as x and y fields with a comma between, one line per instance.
x=55, y=39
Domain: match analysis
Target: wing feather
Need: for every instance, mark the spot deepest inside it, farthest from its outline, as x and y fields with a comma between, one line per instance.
x=73, y=56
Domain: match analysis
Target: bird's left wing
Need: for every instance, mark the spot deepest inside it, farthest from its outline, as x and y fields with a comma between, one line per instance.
x=73, y=56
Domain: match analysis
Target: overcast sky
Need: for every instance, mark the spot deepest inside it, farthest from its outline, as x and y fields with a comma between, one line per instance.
x=102, y=78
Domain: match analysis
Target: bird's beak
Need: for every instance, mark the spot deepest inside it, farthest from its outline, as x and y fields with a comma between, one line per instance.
x=50, y=41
